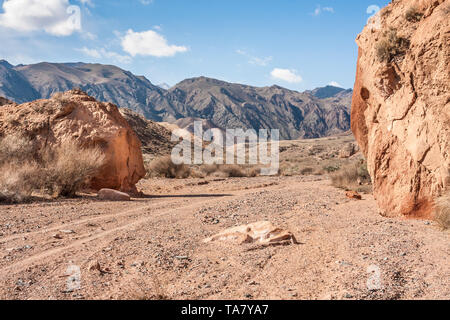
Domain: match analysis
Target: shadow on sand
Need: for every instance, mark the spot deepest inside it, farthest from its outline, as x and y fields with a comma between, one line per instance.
x=145, y=196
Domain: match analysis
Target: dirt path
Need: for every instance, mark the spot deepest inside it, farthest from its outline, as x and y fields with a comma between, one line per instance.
x=152, y=247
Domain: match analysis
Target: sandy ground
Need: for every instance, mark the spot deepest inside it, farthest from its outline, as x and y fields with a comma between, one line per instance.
x=151, y=248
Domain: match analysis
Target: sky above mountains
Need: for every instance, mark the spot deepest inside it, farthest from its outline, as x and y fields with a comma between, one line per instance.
x=292, y=43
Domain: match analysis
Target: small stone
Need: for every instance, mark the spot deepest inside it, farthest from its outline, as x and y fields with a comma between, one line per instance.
x=57, y=236
x=113, y=195
x=95, y=266
x=67, y=231
x=353, y=195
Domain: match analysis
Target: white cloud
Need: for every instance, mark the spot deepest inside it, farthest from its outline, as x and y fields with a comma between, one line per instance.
x=146, y=2
x=287, y=75
x=89, y=36
x=319, y=10
x=93, y=53
x=255, y=60
x=103, y=53
x=149, y=43
x=335, y=84
x=55, y=17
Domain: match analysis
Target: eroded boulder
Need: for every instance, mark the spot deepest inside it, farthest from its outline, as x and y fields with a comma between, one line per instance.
x=263, y=232
x=74, y=115
x=401, y=105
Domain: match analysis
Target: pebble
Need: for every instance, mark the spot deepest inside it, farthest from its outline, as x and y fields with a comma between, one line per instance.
x=67, y=231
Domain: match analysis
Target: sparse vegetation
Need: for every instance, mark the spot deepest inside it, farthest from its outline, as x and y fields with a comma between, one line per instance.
x=390, y=46
x=413, y=15
x=59, y=172
x=69, y=168
x=164, y=167
x=353, y=177
x=442, y=212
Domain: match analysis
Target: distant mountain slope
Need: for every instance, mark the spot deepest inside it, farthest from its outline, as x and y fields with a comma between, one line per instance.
x=14, y=86
x=228, y=105
x=155, y=139
x=326, y=92
x=222, y=104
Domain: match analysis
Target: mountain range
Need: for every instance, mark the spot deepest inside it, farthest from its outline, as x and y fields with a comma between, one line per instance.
x=310, y=114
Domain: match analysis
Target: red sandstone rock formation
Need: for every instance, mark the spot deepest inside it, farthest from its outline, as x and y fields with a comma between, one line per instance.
x=75, y=115
x=401, y=105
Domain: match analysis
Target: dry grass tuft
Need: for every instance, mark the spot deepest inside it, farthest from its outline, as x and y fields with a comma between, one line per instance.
x=164, y=167
x=442, y=212
x=69, y=168
x=15, y=148
x=59, y=172
x=391, y=46
x=232, y=171
x=354, y=177
x=413, y=15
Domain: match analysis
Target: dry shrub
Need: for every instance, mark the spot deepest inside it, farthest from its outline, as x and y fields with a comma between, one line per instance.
x=209, y=169
x=307, y=171
x=413, y=15
x=69, y=168
x=15, y=148
x=442, y=211
x=164, y=167
x=391, y=46
x=232, y=171
x=352, y=177
x=59, y=172
x=17, y=181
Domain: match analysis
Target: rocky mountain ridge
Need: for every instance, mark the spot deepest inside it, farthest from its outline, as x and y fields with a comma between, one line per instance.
x=311, y=114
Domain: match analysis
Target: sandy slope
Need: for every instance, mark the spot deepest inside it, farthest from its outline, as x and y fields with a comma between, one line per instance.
x=152, y=247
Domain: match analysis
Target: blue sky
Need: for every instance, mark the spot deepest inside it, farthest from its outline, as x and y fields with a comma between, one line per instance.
x=296, y=44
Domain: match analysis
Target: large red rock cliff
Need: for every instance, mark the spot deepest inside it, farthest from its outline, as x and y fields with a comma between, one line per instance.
x=75, y=115
x=401, y=105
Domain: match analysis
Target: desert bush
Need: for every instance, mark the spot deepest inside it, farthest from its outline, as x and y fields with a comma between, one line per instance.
x=209, y=169
x=352, y=177
x=70, y=168
x=15, y=148
x=391, y=46
x=442, y=211
x=330, y=169
x=232, y=171
x=413, y=15
x=59, y=172
x=306, y=171
x=164, y=167
x=17, y=181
